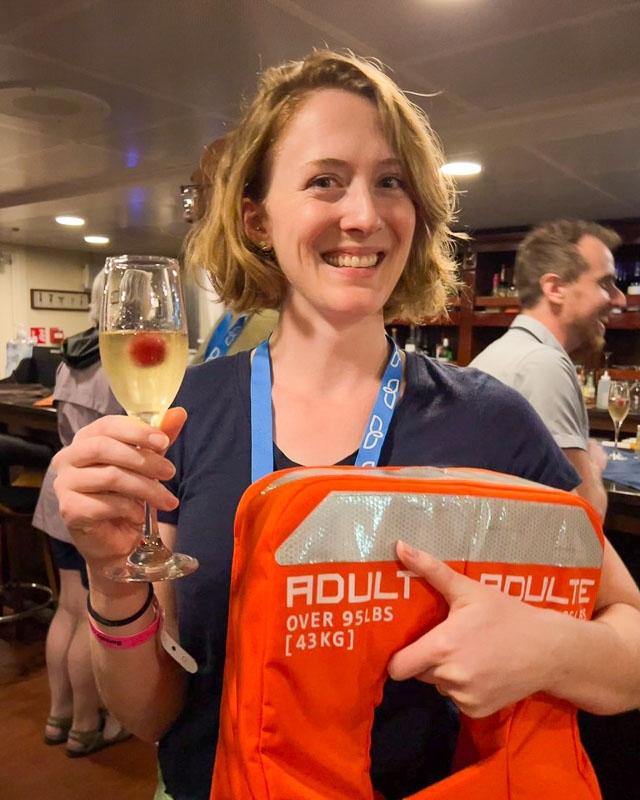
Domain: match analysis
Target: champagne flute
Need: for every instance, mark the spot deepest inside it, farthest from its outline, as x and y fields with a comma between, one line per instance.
x=143, y=348
x=618, y=410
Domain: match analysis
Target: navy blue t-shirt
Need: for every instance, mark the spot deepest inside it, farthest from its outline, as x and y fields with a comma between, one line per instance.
x=448, y=416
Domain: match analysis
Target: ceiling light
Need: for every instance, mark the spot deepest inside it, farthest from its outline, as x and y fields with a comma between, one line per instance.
x=461, y=168
x=46, y=105
x=96, y=239
x=64, y=220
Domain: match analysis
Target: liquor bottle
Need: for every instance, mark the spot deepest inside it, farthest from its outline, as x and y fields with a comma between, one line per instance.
x=411, y=344
x=602, y=395
x=443, y=352
x=621, y=277
x=589, y=390
x=423, y=341
x=495, y=285
x=633, y=289
x=503, y=284
x=634, y=398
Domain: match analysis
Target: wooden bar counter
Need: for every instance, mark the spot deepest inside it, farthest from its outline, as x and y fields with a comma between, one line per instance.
x=19, y=417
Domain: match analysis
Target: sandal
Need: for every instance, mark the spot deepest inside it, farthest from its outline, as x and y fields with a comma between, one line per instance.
x=93, y=741
x=64, y=726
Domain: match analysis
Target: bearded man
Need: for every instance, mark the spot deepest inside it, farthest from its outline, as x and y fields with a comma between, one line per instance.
x=565, y=278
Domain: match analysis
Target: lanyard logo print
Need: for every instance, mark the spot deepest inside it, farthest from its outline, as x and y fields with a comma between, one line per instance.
x=262, y=413
x=225, y=335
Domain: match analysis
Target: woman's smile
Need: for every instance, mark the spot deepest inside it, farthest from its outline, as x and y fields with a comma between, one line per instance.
x=364, y=261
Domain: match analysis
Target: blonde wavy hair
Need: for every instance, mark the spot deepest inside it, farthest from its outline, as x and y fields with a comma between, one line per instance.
x=248, y=279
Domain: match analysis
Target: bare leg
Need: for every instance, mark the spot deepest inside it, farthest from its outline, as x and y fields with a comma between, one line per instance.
x=87, y=716
x=86, y=699
x=59, y=638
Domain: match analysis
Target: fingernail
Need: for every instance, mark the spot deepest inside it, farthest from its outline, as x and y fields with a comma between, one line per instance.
x=167, y=470
x=407, y=550
x=158, y=441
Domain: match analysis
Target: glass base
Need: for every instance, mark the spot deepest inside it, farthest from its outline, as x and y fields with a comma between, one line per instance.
x=617, y=456
x=177, y=565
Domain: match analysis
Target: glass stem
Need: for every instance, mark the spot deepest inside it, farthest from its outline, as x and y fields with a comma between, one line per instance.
x=149, y=536
x=616, y=433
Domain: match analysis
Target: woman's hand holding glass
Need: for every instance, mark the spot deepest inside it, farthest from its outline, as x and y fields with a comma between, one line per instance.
x=104, y=479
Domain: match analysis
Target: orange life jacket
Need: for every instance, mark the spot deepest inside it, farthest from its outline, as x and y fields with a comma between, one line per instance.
x=319, y=603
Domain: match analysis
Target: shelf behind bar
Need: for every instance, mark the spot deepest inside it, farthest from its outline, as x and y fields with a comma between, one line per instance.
x=496, y=319
x=489, y=301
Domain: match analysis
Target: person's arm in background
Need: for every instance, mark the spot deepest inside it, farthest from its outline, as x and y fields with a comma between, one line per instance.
x=590, y=465
x=545, y=380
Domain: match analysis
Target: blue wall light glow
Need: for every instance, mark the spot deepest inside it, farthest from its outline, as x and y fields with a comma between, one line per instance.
x=137, y=197
x=133, y=158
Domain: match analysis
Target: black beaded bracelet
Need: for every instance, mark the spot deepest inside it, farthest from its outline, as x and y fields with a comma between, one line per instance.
x=118, y=623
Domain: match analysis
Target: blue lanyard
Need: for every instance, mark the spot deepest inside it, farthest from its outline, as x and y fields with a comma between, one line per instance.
x=225, y=335
x=262, y=413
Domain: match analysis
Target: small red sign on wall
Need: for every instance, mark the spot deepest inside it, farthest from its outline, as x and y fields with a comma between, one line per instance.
x=56, y=335
x=39, y=335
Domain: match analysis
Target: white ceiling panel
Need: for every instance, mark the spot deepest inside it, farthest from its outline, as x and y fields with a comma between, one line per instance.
x=219, y=45
x=613, y=151
x=545, y=93
x=553, y=62
x=532, y=202
x=624, y=185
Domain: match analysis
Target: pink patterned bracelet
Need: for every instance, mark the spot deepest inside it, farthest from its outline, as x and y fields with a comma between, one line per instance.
x=124, y=642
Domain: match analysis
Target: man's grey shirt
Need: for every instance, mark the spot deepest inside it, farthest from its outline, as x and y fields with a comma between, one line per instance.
x=529, y=358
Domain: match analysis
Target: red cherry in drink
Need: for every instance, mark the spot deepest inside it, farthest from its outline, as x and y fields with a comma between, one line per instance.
x=619, y=401
x=147, y=349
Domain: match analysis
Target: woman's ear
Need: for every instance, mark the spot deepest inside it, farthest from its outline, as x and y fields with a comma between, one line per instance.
x=553, y=288
x=253, y=220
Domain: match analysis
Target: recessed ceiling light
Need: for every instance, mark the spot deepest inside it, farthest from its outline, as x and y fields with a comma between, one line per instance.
x=64, y=220
x=461, y=168
x=47, y=105
x=96, y=239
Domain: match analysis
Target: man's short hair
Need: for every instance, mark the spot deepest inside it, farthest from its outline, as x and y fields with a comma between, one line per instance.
x=552, y=247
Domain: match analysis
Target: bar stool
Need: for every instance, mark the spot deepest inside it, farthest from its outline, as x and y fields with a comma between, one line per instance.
x=19, y=596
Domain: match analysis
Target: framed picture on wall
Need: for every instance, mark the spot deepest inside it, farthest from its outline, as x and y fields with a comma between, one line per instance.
x=59, y=300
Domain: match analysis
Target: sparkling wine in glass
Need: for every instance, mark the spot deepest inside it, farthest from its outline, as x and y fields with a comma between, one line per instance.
x=144, y=348
x=618, y=410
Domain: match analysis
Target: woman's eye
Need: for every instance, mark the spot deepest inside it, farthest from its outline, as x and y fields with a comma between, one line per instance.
x=392, y=182
x=323, y=182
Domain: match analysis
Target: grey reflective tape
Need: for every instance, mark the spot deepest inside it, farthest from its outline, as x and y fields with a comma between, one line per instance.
x=412, y=473
x=363, y=527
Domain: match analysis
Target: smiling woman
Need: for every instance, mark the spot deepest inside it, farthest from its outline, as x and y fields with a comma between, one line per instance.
x=329, y=204
x=223, y=245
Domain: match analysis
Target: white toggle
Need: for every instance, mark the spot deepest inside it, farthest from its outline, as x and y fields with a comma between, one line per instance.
x=178, y=653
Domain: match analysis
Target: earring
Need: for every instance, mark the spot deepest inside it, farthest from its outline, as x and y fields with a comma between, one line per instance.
x=267, y=252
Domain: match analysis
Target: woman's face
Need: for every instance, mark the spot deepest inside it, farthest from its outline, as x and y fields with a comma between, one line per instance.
x=336, y=211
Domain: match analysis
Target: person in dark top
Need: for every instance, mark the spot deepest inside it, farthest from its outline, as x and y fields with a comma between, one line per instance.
x=329, y=204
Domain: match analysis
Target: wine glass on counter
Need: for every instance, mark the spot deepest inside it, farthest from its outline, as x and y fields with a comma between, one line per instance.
x=618, y=410
x=144, y=351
